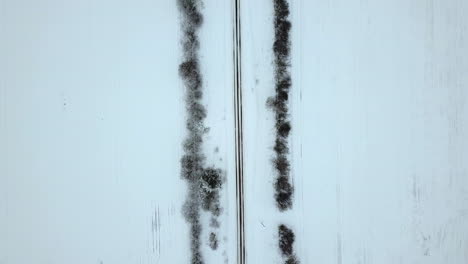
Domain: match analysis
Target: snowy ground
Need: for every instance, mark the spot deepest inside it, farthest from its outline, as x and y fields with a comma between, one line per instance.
x=379, y=131
x=92, y=122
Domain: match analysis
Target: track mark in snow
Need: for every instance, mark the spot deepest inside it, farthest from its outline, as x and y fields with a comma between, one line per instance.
x=339, y=239
x=156, y=228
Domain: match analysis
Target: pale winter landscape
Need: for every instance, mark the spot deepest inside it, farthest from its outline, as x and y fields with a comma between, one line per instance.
x=233, y=131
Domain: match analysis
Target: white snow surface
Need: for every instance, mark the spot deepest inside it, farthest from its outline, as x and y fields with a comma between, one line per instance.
x=92, y=122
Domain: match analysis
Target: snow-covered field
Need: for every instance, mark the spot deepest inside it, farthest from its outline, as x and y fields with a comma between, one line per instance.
x=92, y=120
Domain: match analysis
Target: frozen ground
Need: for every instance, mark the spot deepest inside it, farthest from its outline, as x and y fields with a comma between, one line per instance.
x=92, y=121
x=379, y=131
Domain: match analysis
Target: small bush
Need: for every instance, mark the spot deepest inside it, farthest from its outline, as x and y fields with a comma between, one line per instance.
x=286, y=240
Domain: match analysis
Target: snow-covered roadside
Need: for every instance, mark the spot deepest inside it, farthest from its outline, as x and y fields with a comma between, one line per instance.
x=216, y=64
x=378, y=138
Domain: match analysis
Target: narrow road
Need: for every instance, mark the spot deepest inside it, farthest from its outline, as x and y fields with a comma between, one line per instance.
x=238, y=133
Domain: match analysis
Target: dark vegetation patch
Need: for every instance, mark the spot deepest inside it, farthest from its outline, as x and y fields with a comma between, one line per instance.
x=203, y=183
x=210, y=185
x=279, y=104
x=214, y=222
x=213, y=241
x=283, y=193
x=286, y=239
x=292, y=260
